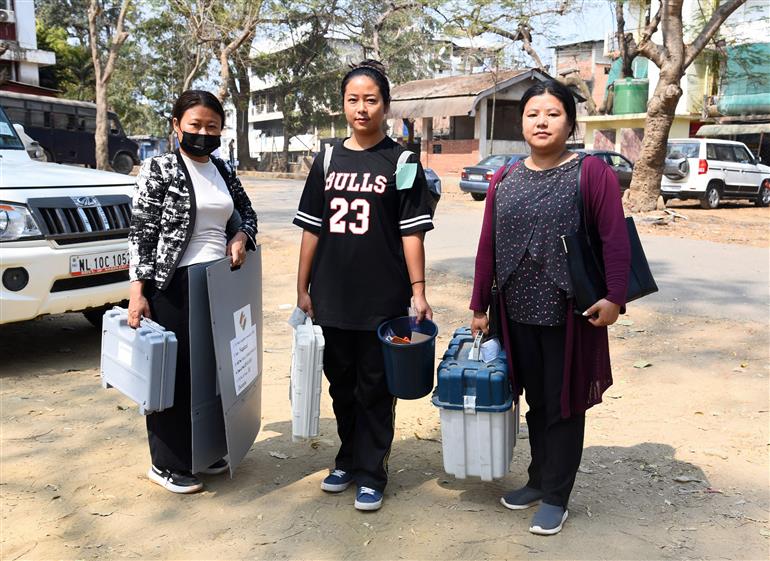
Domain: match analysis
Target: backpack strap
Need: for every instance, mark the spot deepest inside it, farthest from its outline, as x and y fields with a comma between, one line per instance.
x=328, y=159
x=404, y=157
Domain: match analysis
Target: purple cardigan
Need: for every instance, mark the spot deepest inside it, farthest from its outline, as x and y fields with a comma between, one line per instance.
x=587, y=372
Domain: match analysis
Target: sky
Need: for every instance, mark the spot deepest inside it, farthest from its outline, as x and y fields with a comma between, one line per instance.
x=593, y=21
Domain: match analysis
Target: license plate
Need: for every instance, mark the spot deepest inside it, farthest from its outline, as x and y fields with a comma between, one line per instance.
x=96, y=263
x=474, y=177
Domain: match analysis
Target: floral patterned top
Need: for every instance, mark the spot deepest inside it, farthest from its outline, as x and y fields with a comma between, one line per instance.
x=534, y=209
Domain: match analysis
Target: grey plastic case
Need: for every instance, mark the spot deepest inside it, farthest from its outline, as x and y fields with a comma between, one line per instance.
x=140, y=363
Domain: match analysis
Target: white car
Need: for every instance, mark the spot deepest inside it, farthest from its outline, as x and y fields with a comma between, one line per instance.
x=63, y=235
x=713, y=170
x=32, y=146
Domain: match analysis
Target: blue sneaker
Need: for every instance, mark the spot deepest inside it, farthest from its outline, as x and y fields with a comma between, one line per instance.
x=548, y=520
x=337, y=481
x=368, y=499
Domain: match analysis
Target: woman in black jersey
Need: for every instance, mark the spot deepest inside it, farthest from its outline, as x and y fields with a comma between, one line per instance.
x=361, y=260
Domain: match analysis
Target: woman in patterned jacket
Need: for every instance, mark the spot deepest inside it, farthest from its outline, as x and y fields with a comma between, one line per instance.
x=188, y=207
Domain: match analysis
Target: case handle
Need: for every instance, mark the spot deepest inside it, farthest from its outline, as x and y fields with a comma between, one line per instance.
x=475, y=353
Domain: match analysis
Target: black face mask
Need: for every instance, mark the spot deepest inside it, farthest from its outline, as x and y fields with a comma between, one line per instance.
x=199, y=144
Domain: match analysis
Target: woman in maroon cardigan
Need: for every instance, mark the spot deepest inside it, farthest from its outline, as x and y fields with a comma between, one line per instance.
x=559, y=359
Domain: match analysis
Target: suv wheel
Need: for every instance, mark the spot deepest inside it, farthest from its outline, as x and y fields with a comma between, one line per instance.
x=123, y=163
x=95, y=315
x=711, y=198
x=478, y=196
x=763, y=197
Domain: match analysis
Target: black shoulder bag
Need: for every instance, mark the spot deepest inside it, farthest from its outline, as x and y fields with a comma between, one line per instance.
x=586, y=264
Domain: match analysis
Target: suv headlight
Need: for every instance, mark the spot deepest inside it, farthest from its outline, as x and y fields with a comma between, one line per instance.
x=16, y=222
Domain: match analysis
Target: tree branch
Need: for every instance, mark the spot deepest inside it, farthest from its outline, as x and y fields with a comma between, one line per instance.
x=380, y=23
x=118, y=38
x=647, y=47
x=94, y=10
x=717, y=19
x=523, y=33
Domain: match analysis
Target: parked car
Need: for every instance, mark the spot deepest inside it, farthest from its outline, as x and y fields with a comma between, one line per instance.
x=621, y=165
x=434, y=186
x=32, y=146
x=475, y=179
x=65, y=129
x=63, y=235
x=712, y=170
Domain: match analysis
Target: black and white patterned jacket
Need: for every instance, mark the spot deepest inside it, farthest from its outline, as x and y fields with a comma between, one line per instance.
x=163, y=216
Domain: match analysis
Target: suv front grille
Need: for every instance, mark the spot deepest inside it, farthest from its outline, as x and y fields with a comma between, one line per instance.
x=69, y=220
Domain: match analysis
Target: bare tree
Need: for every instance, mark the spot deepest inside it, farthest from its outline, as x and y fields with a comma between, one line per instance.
x=103, y=70
x=673, y=57
x=522, y=13
x=198, y=16
x=235, y=24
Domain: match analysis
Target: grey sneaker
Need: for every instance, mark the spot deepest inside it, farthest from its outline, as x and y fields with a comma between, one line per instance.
x=548, y=520
x=522, y=498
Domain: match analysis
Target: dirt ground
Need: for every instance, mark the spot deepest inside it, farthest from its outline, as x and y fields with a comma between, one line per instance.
x=675, y=463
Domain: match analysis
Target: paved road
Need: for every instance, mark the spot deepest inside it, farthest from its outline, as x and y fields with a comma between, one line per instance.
x=699, y=278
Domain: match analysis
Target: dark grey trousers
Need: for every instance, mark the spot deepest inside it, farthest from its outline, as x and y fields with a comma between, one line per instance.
x=556, y=443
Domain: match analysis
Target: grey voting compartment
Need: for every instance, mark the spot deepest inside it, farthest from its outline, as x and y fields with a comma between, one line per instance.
x=140, y=363
x=208, y=419
x=235, y=304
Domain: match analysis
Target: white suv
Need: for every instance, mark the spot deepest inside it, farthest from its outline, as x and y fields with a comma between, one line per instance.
x=63, y=232
x=712, y=170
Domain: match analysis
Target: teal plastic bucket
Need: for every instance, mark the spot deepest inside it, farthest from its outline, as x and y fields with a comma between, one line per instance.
x=409, y=368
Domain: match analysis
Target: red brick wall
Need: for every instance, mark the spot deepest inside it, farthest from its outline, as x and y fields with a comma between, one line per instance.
x=455, y=154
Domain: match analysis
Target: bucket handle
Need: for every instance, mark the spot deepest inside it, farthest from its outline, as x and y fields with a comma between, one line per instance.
x=475, y=353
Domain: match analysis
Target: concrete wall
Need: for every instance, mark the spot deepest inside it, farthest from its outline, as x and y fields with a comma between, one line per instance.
x=625, y=135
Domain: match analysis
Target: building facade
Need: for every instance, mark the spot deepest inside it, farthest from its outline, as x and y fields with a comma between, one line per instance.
x=462, y=119
x=21, y=60
x=729, y=83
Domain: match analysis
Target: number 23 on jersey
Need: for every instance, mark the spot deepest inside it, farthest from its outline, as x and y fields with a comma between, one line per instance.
x=359, y=224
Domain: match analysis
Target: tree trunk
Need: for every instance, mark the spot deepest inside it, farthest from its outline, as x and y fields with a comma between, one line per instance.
x=240, y=93
x=286, y=139
x=101, y=138
x=409, y=123
x=102, y=74
x=645, y=182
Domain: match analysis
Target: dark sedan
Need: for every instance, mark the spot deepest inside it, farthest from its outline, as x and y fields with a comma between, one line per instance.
x=621, y=165
x=475, y=179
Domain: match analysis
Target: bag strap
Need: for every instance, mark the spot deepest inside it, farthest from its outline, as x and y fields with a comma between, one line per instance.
x=581, y=207
x=328, y=159
x=598, y=259
x=494, y=223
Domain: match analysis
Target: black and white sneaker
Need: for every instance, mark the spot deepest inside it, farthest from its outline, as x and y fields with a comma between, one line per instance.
x=175, y=481
x=220, y=466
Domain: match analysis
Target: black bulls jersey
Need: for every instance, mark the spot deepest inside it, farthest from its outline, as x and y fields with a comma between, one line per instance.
x=359, y=276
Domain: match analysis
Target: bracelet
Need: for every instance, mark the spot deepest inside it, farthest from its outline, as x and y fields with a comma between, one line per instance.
x=418, y=282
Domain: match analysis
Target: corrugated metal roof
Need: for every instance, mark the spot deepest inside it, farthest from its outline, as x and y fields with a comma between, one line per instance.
x=437, y=107
x=452, y=86
x=454, y=95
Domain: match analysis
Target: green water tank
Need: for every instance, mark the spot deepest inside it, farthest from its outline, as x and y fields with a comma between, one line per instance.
x=630, y=96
